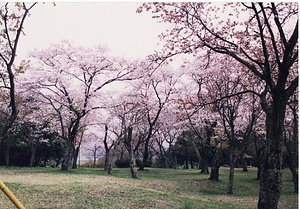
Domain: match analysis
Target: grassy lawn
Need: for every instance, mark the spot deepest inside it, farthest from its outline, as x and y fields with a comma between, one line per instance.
x=155, y=188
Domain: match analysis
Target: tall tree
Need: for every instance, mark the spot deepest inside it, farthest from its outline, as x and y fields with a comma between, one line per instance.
x=269, y=51
x=71, y=81
x=155, y=92
x=107, y=148
x=12, y=26
x=130, y=115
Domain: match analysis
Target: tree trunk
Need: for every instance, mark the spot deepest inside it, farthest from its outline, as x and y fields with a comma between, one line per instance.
x=215, y=165
x=106, y=160
x=186, y=163
x=75, y=157
x=270, y=177
x=291, y=143
x=133, y=165
x=145, y=156
x=292, y=151
x=209, y=129
x=109, y=170
x=197, y=153
x=192, y=164
x=231, y=169
x=116, y=144
x=295, y=178
x=6, y=155
x=175, y=161
x=258, y=160
x=204, y=164
x=67, y=156
x=244, y=164
x=32, y=156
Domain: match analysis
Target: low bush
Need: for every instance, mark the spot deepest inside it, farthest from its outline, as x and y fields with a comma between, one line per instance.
x=125, y=163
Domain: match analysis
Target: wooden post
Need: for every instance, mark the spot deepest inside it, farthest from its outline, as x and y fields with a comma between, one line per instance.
x=11, y=196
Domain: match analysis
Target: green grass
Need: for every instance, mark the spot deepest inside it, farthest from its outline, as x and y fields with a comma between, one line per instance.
x=87, y=188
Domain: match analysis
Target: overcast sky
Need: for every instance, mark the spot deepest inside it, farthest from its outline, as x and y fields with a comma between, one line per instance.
x=117, y=25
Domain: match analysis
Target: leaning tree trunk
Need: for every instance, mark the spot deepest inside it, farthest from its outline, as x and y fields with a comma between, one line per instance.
x=197, y=153
x=270, y=176
x=295, y=175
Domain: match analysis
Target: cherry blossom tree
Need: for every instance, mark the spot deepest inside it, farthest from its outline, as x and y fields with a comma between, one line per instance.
x=237, y=114
x=108, y=147
x=269, y=52
x=165, y=136
x=196, y=111
x=72, y=78
x=154, y=90
x=94, y=151
x=127, y=116
x=228, y=109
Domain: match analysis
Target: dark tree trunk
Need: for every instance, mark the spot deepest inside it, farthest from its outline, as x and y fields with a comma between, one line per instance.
x=215, y=165
x=244, y=164
x=291, y=144
x=106, y=160
x=270, y=176
x=70, y=144
x=231, y=169
x=145, y=155
x=175, y=163
x=209, y=129
x=67, y=156
x=7, y=155
x=293, y=164
x=32, y=156
x=186, y=163
x=258, y=172
x=258, y=160
x=204, y=164
x=295, y=178
x=75, y=157
x=109, y=170
x=192, y=164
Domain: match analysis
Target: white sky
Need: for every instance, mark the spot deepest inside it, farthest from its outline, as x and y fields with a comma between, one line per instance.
x=117, y=25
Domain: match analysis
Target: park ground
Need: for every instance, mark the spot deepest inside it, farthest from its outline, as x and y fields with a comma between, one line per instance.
x=88, y=188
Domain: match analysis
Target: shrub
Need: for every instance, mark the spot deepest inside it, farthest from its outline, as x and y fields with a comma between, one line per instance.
x=122, y=163
x=125, y=163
